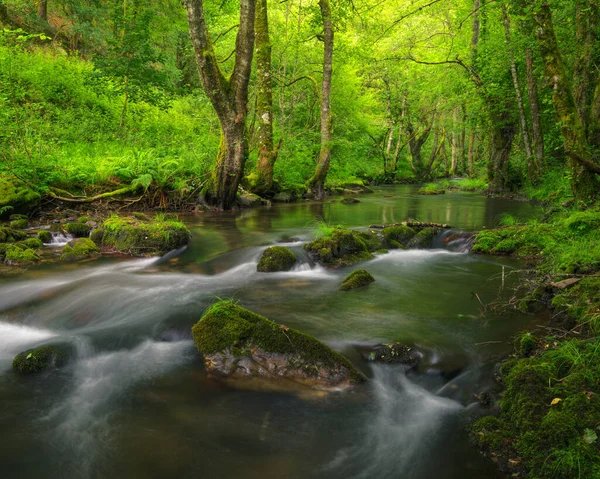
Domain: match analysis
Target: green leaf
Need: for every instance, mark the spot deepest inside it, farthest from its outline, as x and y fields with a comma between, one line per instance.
x=589, y=436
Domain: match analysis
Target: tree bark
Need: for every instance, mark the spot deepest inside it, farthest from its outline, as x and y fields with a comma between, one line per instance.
x=471, y=154
x=454, y=142
x=229, y=98
x=261, y=183
x=531, y=169
x=534, y=108
x=476, y=30
x=400, y=128
x=42, y=10
x=317, y=182
x=415, y=144
x=581, y=162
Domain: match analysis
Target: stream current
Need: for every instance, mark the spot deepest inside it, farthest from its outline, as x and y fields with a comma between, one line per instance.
x=135, y=402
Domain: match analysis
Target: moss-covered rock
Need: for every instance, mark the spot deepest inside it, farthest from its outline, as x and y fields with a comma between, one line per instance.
x=398, y=236
x=130, y=236
x=424, y=238
x=79, y=248
x=357, y=279
x=276, y=258
x=343, y=247
x=79, y=230
x=8, y=235
x=33, y=243
x=236, y=342
x=350, y=201
x=397, y=353
x=249, y=200
x=19, y=254
x=45, y=236
x=19, y=224
x=16, y=197
x=39, y=359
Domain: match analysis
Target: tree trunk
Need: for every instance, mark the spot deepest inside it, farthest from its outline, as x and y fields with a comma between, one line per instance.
x=454, y=145
x=317, y=182
x=400, y=128
x=476, y=30
x=471, y=154
x=531, y=169
x=229, y=98
x=463, y=137
x=534, y=107
x=262, y=182
x=416, y=145
x=43, y=10
x=583, y=168
x=502, y=138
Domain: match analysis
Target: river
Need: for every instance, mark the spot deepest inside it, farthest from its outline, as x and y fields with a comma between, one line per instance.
x=136, y=402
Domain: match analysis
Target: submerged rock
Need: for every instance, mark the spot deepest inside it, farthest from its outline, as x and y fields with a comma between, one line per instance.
x=357, y=279
x=39, y=359
x=276, y=258
x=396, y=353
x=343, y=247
x=349, y=201
x=79, y=248
x=238, y=343
x=16, y=198
x=138, y=237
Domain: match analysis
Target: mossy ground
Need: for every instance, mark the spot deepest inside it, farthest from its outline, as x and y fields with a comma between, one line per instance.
x=276, y=258
x=132, y=236
x=23, y=253
x=357, y=279
x=550, y=411
x=226, y=325
x=16, y=198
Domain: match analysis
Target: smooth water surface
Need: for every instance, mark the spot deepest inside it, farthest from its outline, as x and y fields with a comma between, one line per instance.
x=136, y=402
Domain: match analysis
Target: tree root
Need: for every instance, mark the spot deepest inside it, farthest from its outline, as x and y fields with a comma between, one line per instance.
x=89, y=199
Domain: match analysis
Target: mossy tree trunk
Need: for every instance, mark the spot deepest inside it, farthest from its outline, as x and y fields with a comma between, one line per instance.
x=416, y=141
x=261, y=182
x=534, y=109
x=317, y=182
x=228, y=96
x=503, y=134
x=579, y=152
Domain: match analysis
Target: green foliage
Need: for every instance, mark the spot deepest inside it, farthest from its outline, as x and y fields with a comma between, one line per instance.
x=431, y=189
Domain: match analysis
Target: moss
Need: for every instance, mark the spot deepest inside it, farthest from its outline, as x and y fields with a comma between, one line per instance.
x=132, y=236
x=79, y=248
x=226, y=325
x=19, y=224
x=97, y=235
x=527, y=344
x=16, y=198
x=79, y=230
x=45, y=236
x=343, y=247
x=18, y=217
x=33, y=243
x=83, y=219
x=140, y=216
x=423, y=239
x=39, y=359
x=8, y=235
x=398, y=236
x=276, y=258
x=19, y=254
x=356, y=279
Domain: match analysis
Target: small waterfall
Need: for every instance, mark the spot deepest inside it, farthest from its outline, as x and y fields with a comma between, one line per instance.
x=60, y=239
x=455, y=240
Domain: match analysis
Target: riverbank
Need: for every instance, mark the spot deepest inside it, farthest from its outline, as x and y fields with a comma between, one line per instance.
x=549, y=413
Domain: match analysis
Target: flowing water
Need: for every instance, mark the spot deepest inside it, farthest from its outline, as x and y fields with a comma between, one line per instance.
x=136, y=402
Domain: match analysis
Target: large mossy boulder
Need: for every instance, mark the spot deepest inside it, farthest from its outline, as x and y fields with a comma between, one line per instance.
x=79, y=248
x=237, y=343
x=19, y=254
x=39, y=359
x=276, y=258
x=45, y=236
x=398, y=237
x=357, y=279
x=139, y=237
x=424, y=238
x=16, y=197
x=79, y=230
x=343, y=247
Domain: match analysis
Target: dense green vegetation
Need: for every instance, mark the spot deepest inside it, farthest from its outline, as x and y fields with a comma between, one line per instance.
x=170, y=106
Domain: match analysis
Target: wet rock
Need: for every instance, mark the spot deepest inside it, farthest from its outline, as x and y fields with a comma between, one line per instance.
x=283, y=197
x=16, y=198
x=565, y=284
x=79, y=230
x=45, y=236
x=357, y=279
x=397, y=237
x=343, y=247
x=37, y=360
x=349, y=201
x=276, y=258
x=137, y=237
x=79, y=248
x=249, y=200
x=237, y=343
x=396, y=353
x=424, y=238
